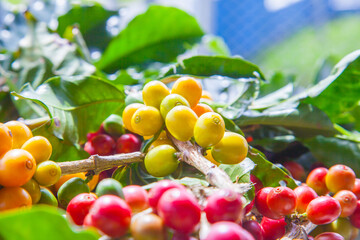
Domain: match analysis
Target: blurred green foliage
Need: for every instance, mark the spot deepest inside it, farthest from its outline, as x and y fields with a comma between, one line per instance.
x=306, y=52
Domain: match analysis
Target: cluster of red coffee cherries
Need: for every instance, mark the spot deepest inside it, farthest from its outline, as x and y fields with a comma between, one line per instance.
x=111, y=138
x=168, y=209
x=327, y=195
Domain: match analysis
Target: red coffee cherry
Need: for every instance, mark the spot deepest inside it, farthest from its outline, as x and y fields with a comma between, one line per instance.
x=355, y=217
x=356, y=189
x=89, y=148
x=340, y=177
x=257, y=183
x=316, y=180
x=79, y=207
x=179, y=210
x=159, y=189
x=103, y=144
x=282, y=200
x=262, y=206
x=254, y=228
x=304, y=195
x=182, y=236
x=296, y=170
x=128, y=143
x=329, y=236
x=348, y=201
x=111, y=215
x=223, y=205
x=323, y=210
x=248, y=207
x=228, y=231
x=136, y=197
x=273, y=229
x=91, y=135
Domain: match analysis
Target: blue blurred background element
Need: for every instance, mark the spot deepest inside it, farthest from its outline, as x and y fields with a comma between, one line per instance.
x=300, y=37
x=248, y=26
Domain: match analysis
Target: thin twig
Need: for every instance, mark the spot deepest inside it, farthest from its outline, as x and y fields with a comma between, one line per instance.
x=98, y=163
x=191, y=154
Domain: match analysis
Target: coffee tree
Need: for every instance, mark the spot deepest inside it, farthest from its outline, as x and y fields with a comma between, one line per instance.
x=152, y=141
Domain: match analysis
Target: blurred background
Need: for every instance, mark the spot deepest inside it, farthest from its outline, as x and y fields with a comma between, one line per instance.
x=302, y=38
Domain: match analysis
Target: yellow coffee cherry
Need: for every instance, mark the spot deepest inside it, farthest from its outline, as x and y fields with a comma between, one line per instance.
x=209, y=129
x=128, y=113
x=146, y=121
x=39, y=147
x=47, y=173
x=180, y=122
x=161, y=161
x=154, y=92
x=209, y=157
x=232, y=149
x=170, y=102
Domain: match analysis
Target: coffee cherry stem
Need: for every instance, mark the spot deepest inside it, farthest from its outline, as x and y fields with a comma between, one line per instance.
x=298, y=231
x=192, y=155
x=98, y=163
x=298, y=227
x=36, y=122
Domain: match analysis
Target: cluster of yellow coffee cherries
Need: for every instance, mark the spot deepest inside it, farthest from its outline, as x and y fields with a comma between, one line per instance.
x=184, y=118
x=24, y=167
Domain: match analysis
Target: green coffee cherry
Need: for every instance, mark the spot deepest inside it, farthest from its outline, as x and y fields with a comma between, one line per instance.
x=47, y=198
x=109, y=186
x=114, y=125
x=70, y=189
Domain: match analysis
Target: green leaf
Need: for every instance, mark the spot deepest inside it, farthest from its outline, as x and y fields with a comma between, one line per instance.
x=333, y=150
x=190, y=181
x=240, y=173
x=275, y=144
x=79, y=105
x=246, y=92
x=40, y=223
x=126, y=78
x=273, y=98
x=45, y=54
x=91, y=21
x=303, y=119
x=217, y=45
x=237, y=171
x=269, y=174
x=338, y=93
x=206, y=66
x=277, y=81
x=133, y=174
x=158, y=35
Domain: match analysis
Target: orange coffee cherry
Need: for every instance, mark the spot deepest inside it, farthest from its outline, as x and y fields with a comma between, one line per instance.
x=6, y=139
x=189, y=88
x=17, y=167
x=20, y=132
x=202, y=108
x=14, y=197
